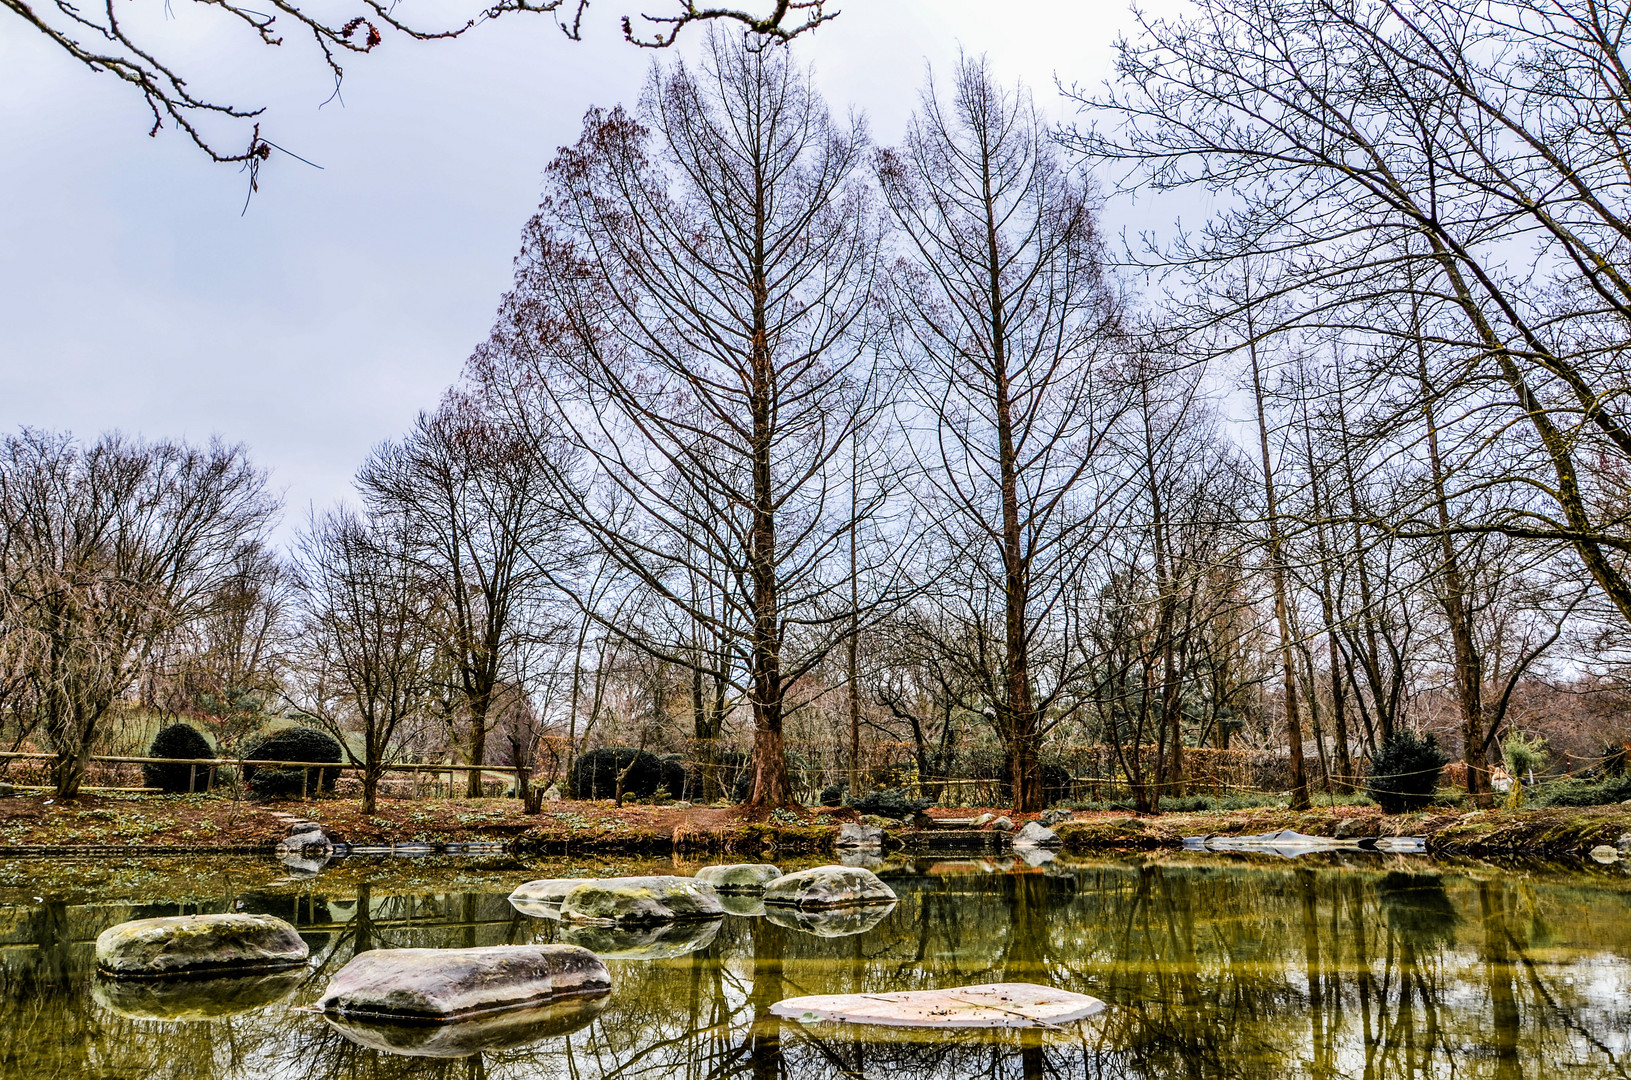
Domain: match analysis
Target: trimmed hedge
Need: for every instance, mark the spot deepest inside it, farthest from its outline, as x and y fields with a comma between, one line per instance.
x=178, y=741
x=594, y=774
x=291, y=744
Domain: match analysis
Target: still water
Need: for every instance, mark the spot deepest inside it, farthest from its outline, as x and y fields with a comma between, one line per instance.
x=1213, y=966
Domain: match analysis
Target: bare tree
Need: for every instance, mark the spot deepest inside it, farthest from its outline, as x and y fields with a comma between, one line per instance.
x=473, y=494
x=108, y=548
x=369, y=630
x=688, y=308
x=1006, y=329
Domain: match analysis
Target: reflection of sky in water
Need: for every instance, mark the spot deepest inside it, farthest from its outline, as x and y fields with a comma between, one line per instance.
x=1214, y=966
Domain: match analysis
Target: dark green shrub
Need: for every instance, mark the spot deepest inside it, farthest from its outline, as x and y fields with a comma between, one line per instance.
x=1404, y=772
x=833, y=794
x=676, y=777
x=594, y=774
x=291, y=744
x=178, y=741
x=890, y=803
x=1614, y=789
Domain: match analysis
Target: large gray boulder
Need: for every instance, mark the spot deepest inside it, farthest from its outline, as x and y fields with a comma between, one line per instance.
x=473, y=1035
x=739, y=877
x=641, y=900
x=1037, y=834
x=828, y=887
x=198, y=945
x=1050, y=818
x=429, y=985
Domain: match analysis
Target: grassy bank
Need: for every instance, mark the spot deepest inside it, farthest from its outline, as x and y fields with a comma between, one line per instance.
x=1548, y=832
x=182, y=823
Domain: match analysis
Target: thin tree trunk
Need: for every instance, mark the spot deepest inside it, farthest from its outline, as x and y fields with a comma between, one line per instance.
x=1294, y=728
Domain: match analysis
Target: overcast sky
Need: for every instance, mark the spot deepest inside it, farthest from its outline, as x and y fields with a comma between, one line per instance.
x=134, y=295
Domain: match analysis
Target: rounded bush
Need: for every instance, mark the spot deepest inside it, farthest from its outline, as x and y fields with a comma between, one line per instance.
x=1404, y=772
x=594, y=773
x=291, y=744
x=178, y=741
x=890, y=803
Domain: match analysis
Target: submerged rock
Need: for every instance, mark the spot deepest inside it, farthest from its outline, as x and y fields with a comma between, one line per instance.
x=429, y=985
x=830, y=922
x=1037, y=834
x=739, y=877
x=990, y=1005
x=854, y=834
x=462, y=1038
x=658, y=941
x=828, y=887
x=639, y=900
x=188, y=945
x=186, y=1000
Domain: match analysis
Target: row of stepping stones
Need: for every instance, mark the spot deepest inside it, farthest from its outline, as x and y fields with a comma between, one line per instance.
x=453, y=1002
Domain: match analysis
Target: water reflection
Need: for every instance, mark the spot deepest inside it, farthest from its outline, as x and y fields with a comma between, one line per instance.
x=1374, y=967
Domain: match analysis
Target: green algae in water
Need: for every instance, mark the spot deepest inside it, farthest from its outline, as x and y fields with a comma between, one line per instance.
x=1365, y=967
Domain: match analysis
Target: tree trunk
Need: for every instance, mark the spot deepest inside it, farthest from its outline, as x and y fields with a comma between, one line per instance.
x=1282, y=614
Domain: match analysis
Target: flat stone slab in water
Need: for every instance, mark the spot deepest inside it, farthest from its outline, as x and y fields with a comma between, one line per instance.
x=641, y=900
x=436, y=985
x=739, y=877
x=989, y=1005
x=829, y=887
x=193, y=945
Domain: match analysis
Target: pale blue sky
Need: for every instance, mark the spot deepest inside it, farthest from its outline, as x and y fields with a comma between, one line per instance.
x=133, y=295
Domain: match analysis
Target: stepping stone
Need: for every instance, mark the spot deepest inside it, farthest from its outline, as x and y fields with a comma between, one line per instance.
x=439, y=985
x=990, y=1005
x=829, y=887
x=641, y=900
x=198, y=945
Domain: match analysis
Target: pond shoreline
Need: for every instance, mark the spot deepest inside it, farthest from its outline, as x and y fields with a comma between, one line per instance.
x=180, y=825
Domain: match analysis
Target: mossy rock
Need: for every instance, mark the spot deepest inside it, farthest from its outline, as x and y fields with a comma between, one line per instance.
x=640, y=901
x=822, y=887
x=188, y=945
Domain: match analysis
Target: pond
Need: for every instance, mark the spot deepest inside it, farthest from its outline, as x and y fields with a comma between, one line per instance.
x=1212, y=965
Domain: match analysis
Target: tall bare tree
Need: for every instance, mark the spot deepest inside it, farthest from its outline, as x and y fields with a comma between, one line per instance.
x=688, y=307
x=1007, y=331
x=369, y=630
x=473, y=494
